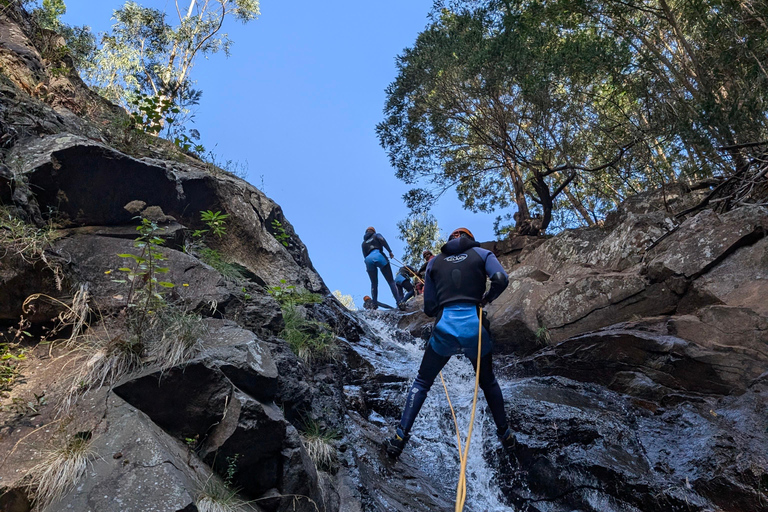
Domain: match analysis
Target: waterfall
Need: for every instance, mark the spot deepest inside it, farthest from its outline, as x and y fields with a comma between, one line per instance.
x=433, y=437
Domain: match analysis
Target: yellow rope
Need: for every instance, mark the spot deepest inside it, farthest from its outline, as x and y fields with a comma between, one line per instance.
x=414, y=274
x=461, y=488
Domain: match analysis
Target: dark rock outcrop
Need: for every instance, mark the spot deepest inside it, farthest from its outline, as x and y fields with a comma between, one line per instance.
x=581, y=447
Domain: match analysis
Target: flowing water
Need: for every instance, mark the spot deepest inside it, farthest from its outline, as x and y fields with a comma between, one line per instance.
x=433, y=437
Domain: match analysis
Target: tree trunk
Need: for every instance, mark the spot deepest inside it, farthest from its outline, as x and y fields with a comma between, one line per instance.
x=519, y=189
x=579, y=206
x=547, y=201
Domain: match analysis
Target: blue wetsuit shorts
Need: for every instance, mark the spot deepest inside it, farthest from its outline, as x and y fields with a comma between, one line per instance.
x=456, y=332
x=374, y=260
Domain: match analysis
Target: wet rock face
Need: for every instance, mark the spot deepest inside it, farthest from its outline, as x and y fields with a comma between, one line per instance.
x=653, y=365
x=582, y=447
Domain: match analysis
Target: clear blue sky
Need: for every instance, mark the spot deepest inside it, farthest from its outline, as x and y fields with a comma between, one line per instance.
x=298, y=100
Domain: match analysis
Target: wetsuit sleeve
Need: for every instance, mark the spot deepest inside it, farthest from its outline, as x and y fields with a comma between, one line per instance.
x=383, y=242
x=498, y=277
x=431, y=307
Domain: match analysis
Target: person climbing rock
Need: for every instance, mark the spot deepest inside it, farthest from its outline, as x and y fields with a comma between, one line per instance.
x=373, y=252
x=403, y=282
x=427, y=255
x=454, y=288
x=369, y=304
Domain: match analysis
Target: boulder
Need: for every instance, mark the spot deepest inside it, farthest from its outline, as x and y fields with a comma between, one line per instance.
x=704, y=240
x=187, y=401
x=94, y=259
x=137, y=467
x=223, y=400
x=728, y=328
x=741, y=280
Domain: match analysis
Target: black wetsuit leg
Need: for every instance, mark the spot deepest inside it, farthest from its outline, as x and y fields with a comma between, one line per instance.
x=386, y=271
x=409, y=289
x=374, y=277
x=491, y=390
x=431, y=364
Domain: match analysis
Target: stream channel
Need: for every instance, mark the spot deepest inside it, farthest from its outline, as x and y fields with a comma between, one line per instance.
x=396, y=356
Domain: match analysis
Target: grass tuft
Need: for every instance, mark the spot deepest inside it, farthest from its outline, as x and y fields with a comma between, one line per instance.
x=17, y=238
x=74, y=315
x=107, y=361
x=214, y=258
x=320, y=444
x=179, y=337
x=216, y=496
x=61, y=469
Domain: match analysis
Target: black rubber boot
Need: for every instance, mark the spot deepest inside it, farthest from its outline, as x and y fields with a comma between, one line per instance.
x=395, y=445
x=507, y=439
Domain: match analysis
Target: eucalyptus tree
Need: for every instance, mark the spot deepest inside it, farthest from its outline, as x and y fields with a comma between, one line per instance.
x=574, y=104
x=478, y=105
x=420, y=232
x=80, y=42
x=701, y=65
x=151, y=53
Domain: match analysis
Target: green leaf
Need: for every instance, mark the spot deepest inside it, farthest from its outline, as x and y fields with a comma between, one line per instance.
x=165, y=284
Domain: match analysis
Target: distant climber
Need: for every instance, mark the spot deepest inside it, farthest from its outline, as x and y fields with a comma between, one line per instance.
x=454, y=288
x=403, y=282
x=369, y=304
x=427, y=255
x=373, y=252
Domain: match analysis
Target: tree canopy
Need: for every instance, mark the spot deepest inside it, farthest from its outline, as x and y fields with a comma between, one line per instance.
x=565, y=107
x=151, y=53
x=419, y=232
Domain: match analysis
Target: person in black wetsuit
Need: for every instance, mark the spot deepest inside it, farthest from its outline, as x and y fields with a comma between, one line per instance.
x=403, y=282
x=454, y=288
x=373, y=252
x=427, y=255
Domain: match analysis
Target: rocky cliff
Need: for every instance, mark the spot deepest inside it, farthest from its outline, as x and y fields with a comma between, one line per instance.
x=158, y=377
x=633, y=354
x=638, y=351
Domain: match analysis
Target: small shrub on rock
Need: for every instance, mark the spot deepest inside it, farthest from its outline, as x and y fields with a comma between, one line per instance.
x=310, y=340
x=288, y=295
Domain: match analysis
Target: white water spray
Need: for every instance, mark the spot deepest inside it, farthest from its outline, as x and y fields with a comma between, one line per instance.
x=433, y=437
